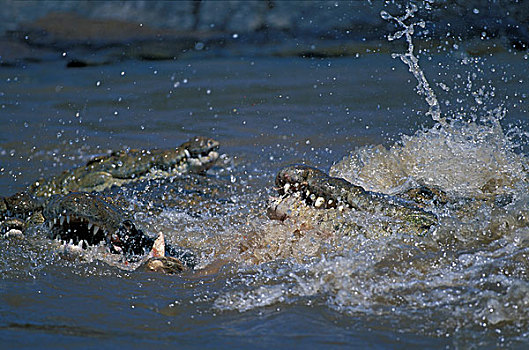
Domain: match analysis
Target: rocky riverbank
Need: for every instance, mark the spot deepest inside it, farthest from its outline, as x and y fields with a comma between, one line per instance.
x=86, y=33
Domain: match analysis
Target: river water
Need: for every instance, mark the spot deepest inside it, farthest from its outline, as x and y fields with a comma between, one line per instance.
x=463, y=284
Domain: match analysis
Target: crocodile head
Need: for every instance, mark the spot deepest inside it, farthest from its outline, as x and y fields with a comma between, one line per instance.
x=18, y=211
x=85, y=219
x=194, y=156
x=318, y=191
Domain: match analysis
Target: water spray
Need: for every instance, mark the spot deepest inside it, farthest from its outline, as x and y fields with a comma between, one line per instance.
x=423, y=87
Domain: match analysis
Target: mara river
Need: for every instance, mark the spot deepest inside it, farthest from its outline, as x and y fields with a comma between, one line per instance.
x=464, y=283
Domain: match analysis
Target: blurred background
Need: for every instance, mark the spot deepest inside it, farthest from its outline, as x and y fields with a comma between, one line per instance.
x=106, y=31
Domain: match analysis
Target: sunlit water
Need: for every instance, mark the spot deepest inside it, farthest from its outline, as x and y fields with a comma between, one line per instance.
x=464, y=283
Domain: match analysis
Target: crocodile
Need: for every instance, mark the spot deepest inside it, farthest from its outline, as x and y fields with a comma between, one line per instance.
x=84, y=219
x=79, y=220
x=194, y=156
x=78, y=212
x=313, y=212
x=320, y=191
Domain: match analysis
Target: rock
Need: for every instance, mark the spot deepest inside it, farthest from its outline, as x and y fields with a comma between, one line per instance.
x=15, y=52
x=95, y=33
x=89, y=42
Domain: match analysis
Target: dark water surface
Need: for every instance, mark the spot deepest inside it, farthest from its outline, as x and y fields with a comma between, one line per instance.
x=263, y=106
x=266, y=113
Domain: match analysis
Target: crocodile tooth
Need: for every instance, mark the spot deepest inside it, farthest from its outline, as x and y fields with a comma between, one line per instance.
x=313, y=197
x=96, y=228
x=90, y=225
x=340, y=208
x=71, y=241
x=55, y=221
x=50, y=224
x=61, y=219
x=188, y=155
x=287, y=187
x=329, y=202
x=307, y=193
x=68, y=219
x=319, y=202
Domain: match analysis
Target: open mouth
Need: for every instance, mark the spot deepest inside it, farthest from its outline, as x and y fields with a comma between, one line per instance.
x=199, y=152
x=302, y=184
x=321, y=191
x=316, y=188
x=197, y=160
x=318, y=201
x=75, y=230
x=81, y=219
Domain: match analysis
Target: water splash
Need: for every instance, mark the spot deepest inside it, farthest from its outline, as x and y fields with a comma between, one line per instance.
x=409, y=58
x=466, y=279
x=465, y=159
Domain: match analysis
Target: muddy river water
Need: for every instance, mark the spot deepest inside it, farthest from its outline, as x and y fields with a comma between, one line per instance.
x=464, y=283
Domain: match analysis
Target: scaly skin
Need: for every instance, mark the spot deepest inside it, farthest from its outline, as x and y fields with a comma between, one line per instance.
x=324, y=192
x=86, y=219
x=315, y=211
x=82, y=219
x=194, y=156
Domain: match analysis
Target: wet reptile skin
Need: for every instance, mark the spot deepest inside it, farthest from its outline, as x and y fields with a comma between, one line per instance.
x=77, y=214
x=194, y=156
x=324, y=192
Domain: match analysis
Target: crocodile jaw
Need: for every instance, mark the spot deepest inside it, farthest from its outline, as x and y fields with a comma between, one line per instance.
x=81, y=219
x=196, y=163
x=76, y=230
x=319, y=191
